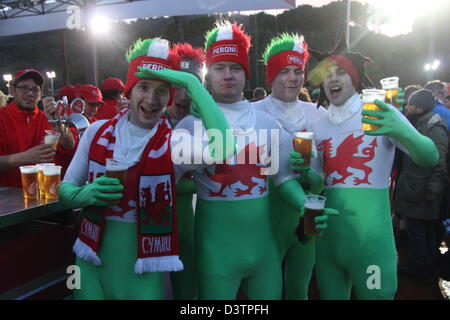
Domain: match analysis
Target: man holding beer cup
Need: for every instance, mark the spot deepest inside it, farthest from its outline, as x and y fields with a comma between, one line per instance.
x=122, y=249
x=234, y=242
x=23, y=126
x=358, y=248
x=286, y=57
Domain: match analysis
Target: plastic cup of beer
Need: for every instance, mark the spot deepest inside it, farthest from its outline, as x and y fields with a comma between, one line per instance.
x=391, y=86
x=303, y=145
x=41, y=177
x=52, y=179
x=29, y=176
x=314, y=205
x=51, y=137
x=116, y=169
x=368, y=97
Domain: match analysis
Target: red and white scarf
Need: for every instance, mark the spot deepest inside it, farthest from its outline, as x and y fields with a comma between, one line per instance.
x=150, y=184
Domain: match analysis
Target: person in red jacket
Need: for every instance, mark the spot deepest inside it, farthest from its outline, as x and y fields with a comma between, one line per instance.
x=112, y=91
x=22, y=129
x=93, y=99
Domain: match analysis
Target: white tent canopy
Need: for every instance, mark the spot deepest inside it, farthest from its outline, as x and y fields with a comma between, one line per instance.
x=28, y=16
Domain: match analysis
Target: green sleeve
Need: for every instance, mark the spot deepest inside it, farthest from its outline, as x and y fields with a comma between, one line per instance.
x=292, y=192
x=222, y=142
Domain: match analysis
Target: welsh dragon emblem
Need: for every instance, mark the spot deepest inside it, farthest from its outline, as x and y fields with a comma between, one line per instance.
x=227, y=175
x=345, y=158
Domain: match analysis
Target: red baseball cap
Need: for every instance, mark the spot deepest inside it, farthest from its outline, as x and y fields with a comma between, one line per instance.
x=90, y=93
x=68, y=91
x=38, y=77
x=113, y=84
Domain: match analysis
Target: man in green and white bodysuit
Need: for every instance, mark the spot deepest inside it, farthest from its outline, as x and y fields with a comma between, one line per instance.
x=233, y=235
x=358, y=248
x=286, y=57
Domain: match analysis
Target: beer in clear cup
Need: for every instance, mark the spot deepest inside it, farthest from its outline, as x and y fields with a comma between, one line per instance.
x=116, y=169
x=51, y=137
x=29, y=176
x=52, y=179
x=391, y=86
x=303, y=145
x=41, y=177
x=368, y=97
x=314, y=205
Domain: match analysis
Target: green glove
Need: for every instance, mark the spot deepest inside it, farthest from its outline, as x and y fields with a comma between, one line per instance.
x=389, y=121
x=422, y=150
x=97, y=193
x=297, y=160
x=203, y=106
x=309, y=179
x=194, y=110
x=321, y=224
x=292, y=192
x=322, y=221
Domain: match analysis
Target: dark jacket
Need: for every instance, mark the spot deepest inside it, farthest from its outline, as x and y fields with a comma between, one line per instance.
x=419, y=190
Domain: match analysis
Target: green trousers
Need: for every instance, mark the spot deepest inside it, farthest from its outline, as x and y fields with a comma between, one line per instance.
x=115, y=279
x=298, y=258
x=358, y=246
x=234, y=243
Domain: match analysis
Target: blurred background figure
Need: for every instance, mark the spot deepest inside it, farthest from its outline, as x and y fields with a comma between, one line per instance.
x=315, y=95
x=447, y=102
x=399, y=222
x=93, y=99
x=420, y=191
x=68, y=91
x=409, y=90
x=438, y=89
x=192, y=61
x=112, y=93
x=304, y=95
x=258, y=94
x=23, y=126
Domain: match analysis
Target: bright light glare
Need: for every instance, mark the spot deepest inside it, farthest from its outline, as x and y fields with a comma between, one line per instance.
x=396, y=17
x=435, y=64
x=7, y=77
x=432, y=66
x=100, y=24
x=51, y=74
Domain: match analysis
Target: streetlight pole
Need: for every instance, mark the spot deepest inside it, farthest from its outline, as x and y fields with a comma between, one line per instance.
x=347, y=28
x=51, y=75
x=431, y=50
x=91, y=65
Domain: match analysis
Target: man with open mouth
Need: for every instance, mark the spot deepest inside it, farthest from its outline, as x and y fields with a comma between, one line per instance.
x=128, y=234
x=358, y=248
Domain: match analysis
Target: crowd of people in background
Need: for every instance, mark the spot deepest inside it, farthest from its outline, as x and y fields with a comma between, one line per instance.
x=419, y=192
